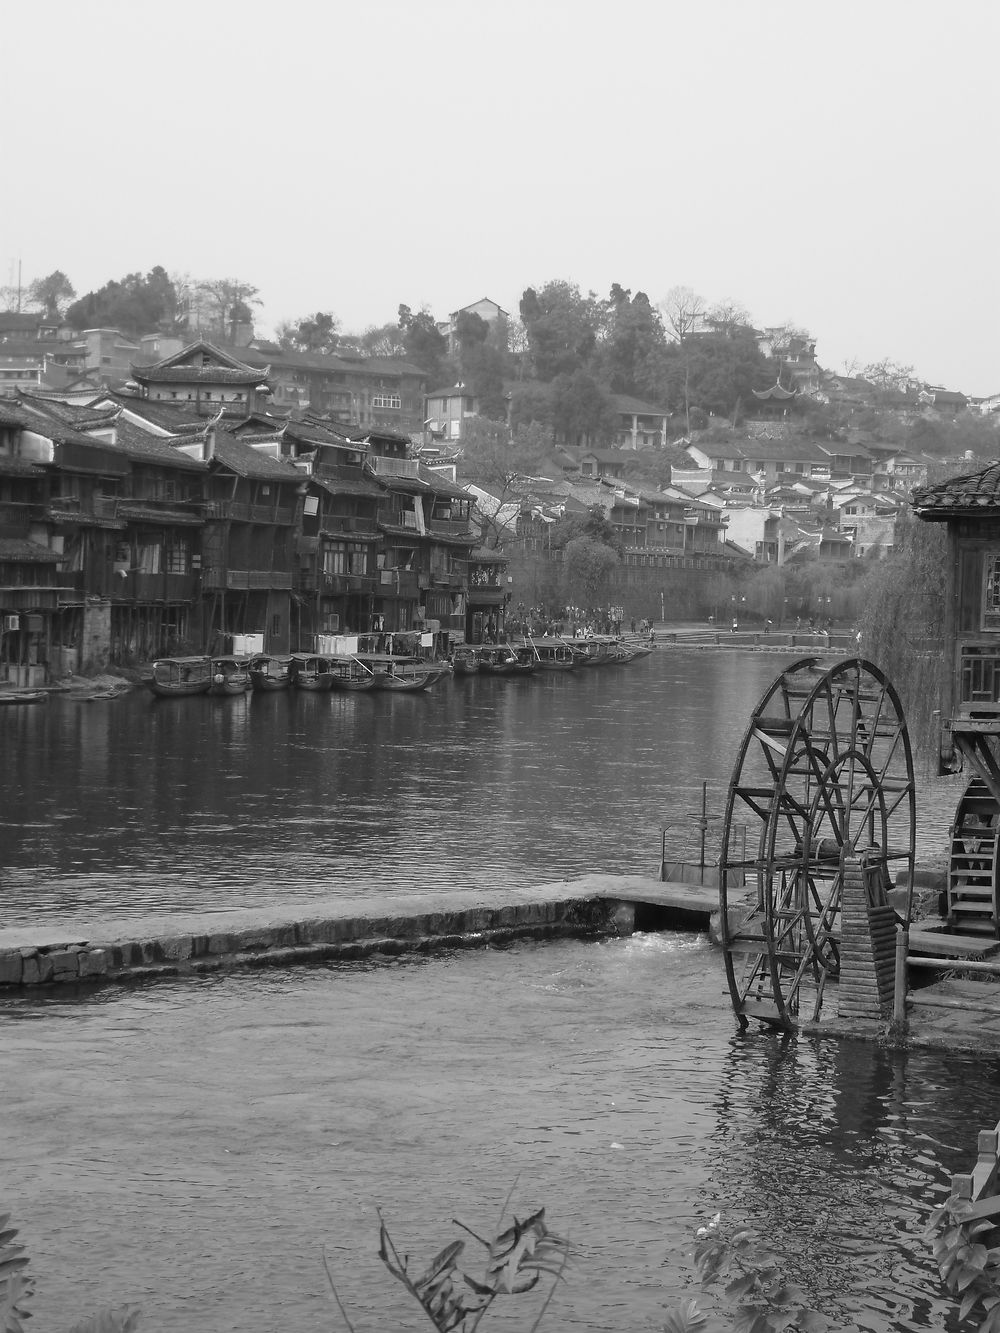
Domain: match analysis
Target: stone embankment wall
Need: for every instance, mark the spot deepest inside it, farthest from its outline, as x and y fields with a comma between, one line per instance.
x=350, y=937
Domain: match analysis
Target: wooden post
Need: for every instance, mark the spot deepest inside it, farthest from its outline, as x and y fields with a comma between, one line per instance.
x=899, y=986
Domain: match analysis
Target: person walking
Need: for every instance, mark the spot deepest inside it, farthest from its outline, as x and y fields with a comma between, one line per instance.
x=735, y=626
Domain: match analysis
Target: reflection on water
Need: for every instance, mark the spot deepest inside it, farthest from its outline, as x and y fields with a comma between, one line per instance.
x=192, y=1145
x=132, y=806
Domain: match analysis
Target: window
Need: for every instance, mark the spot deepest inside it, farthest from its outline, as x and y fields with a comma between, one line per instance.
x=335, y=559
x=385, y=400
x=357, y=558
x=175, y=555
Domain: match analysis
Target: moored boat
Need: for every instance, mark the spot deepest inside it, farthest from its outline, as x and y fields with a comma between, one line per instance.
x=552, y=655
x=268, y=673
x=497, y=660
x=353, y=675
x=526, y=660
x=465, y=660
x=23, y=696
x=409, y=677
x=310, y=671
x=229, y=676
x=177, y=676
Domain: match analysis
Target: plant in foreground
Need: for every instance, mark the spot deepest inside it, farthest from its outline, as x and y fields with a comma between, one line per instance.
x=454, y=1302
x=16, y=1289
x=969, y=1267
x=765, y=1302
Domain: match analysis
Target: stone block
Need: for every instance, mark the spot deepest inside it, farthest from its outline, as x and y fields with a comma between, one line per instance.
x=219, y=944
x=65, y=964
x=30, y=975
x=93, y=963
x=11, y=967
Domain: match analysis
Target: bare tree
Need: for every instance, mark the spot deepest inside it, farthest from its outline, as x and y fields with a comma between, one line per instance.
x=683, y=312
x=728, y=315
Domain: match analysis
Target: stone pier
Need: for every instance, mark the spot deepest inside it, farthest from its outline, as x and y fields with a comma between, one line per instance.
x=163, y=946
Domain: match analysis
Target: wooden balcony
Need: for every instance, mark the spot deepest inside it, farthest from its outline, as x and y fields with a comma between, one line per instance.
x=245, y=580
x=139, y=587
x=236, y=512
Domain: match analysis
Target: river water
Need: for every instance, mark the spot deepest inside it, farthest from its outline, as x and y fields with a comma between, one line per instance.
x=194, y=1145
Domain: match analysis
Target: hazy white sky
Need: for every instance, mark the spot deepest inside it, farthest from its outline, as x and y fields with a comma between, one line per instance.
x=829, y=163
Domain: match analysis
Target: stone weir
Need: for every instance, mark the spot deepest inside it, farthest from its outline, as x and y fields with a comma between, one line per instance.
x=162, y=946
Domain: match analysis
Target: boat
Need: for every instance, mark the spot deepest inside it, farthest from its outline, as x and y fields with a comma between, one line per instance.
x=409, y=677
x=353, y=674
x=269, y=673
x=229, y=676
x=23, y=696
x=465, y=660
x=497, y=660
x=526, y=660
x=176, y=676
x=552, y=655
x=309, y=671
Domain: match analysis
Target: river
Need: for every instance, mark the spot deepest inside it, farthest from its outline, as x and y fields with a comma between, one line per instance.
x=193, y=1145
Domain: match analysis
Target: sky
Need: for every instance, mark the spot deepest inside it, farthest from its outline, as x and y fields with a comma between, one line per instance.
x=831, y=165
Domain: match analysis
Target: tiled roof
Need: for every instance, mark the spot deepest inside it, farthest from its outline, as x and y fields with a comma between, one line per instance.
x=30, y=418
x=625, y=403
x=18, y=467
x=19, y=549
x=144, y=446
x=977, y=492
x=347, y=481
x=160, y=374
x=246, y=461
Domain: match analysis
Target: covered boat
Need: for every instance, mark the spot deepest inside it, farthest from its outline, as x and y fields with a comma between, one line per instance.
x=309, y=671
x=497, y=660
x=465, y=660
x=174, y=676
x=552, y=655
x=229, y=675
x=269, y=673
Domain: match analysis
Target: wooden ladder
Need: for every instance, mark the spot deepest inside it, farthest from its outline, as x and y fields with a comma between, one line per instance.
x=972, y=870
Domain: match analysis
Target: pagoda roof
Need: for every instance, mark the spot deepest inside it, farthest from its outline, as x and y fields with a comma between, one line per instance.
x=213, y=366
x=776, y=393
x=976, y=493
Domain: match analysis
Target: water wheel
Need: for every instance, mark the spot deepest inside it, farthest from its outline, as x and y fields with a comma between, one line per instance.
x=824, y=773
x=972, y=869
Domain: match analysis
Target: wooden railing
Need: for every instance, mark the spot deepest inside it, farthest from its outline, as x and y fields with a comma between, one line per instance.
x=979, y=1186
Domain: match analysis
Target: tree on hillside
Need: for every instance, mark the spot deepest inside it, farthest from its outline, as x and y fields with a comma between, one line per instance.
x=313, y=333
x=498, y=462
x=631, y=353
x=484, y=362
x=51, y=295
x=582, y=410
x=561, y=327
x=426, y=345
x=531, y=403
x=593, y=525
x=135, y=304
x=383, y=340
x=683, y=312
x=716, y=372
x=888, y=377
x=219, y=305
x=588, y=564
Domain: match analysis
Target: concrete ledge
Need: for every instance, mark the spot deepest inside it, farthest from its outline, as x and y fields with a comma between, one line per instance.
x=595, y=906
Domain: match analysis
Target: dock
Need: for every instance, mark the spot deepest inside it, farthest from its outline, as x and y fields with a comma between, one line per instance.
x=594, y=906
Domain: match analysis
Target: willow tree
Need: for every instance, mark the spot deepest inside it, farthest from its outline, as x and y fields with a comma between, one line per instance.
x=902, y=625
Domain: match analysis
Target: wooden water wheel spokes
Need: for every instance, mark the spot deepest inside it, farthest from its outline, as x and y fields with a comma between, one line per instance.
x=824, y=774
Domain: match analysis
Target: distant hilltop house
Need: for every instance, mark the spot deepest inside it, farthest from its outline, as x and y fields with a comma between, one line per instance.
x=485, y=308
x=638, y=424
